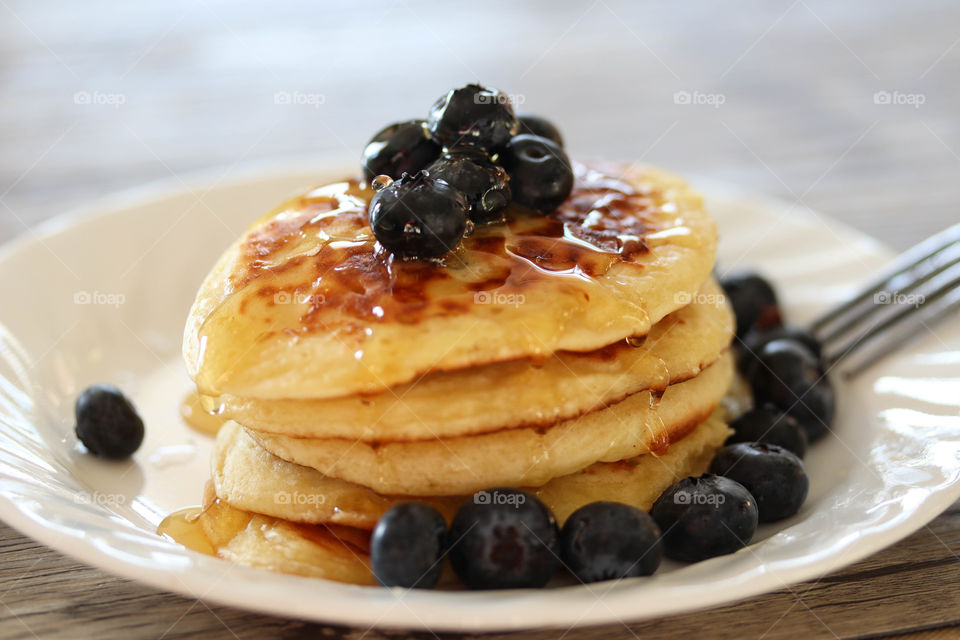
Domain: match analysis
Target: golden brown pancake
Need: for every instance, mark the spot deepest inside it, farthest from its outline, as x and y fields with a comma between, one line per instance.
x=307, y=305
x=249, y=478
x=514, y=457
x=512, y=394
x=320, y=551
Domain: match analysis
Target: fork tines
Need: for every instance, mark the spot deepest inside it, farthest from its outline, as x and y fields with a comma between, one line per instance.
x=920, y=287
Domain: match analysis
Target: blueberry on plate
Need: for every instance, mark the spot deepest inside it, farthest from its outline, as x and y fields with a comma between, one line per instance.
x=769, y=425
x=608, y=541
x=537, y=126
x=404, y=147
x=754, y=302
x=473, y=116
x=541, y=177
x=756, y=339
x=108, y=425
x=790, y=377
x=407, y=546
x=484, y=184
x=504, y=539
x=418, y=216
x=775, y=477
x=705, y=516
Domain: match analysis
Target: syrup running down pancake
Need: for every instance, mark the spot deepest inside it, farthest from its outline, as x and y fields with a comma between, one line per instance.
x=305, y=305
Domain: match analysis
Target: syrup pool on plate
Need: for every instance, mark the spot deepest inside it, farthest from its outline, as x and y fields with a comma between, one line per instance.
x=183, y=527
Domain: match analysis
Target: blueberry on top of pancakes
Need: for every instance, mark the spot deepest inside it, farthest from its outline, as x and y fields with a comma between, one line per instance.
x=403, y=147
x=489, y=155
x=418, y=216
x=474, y=116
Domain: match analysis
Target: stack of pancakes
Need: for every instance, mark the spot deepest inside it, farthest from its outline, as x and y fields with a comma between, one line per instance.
x=581, y=354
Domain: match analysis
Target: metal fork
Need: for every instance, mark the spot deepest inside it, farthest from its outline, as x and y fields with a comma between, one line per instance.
x=920, y=287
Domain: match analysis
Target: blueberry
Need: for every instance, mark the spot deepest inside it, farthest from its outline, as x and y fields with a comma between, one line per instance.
x=755, y=340
x=418, y=216
x=485, y=184
x=537, y=126
x=404, y=147
x=407, y=546
x=504, y=539
x=788, y=376
x=770, y=425
x=108, y=425
x=754, y=302
x=473, y=116
x=704, y=517
x=775, y=477
x=540, y=174
x=610, y=540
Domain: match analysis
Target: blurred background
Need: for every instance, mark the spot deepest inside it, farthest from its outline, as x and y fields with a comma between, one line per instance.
x=850, y=108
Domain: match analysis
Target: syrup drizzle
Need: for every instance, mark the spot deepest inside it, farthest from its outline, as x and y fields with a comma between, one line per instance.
x=200, y=413
x=313, y=266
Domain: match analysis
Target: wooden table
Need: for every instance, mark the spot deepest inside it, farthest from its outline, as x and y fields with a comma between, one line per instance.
x=848, y=107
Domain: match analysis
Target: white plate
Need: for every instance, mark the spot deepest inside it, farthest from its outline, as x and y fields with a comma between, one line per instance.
x=103, y=297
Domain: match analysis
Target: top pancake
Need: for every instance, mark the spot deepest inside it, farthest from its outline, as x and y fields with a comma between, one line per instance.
x=307, y=305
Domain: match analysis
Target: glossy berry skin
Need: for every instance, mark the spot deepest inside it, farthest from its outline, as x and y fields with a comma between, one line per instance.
x=504, y=539
x=705, y=516
x=418, y=217
x=775, y=477
x=407, y=546
x=540, y=173
x=404, y=147
x=108, y=425
x=769, y=425
x=755, y=340
x=473, y=116
x=788, y=376
x=537, y=126
x=485, y=185
x=610, y=540
x=754, y=302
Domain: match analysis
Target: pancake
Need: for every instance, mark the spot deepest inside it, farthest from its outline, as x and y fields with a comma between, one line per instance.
x=515, y=457
x=320, y=551
x=641, y=480
x=249, y=478
x=510, y=394
x=307, y=305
